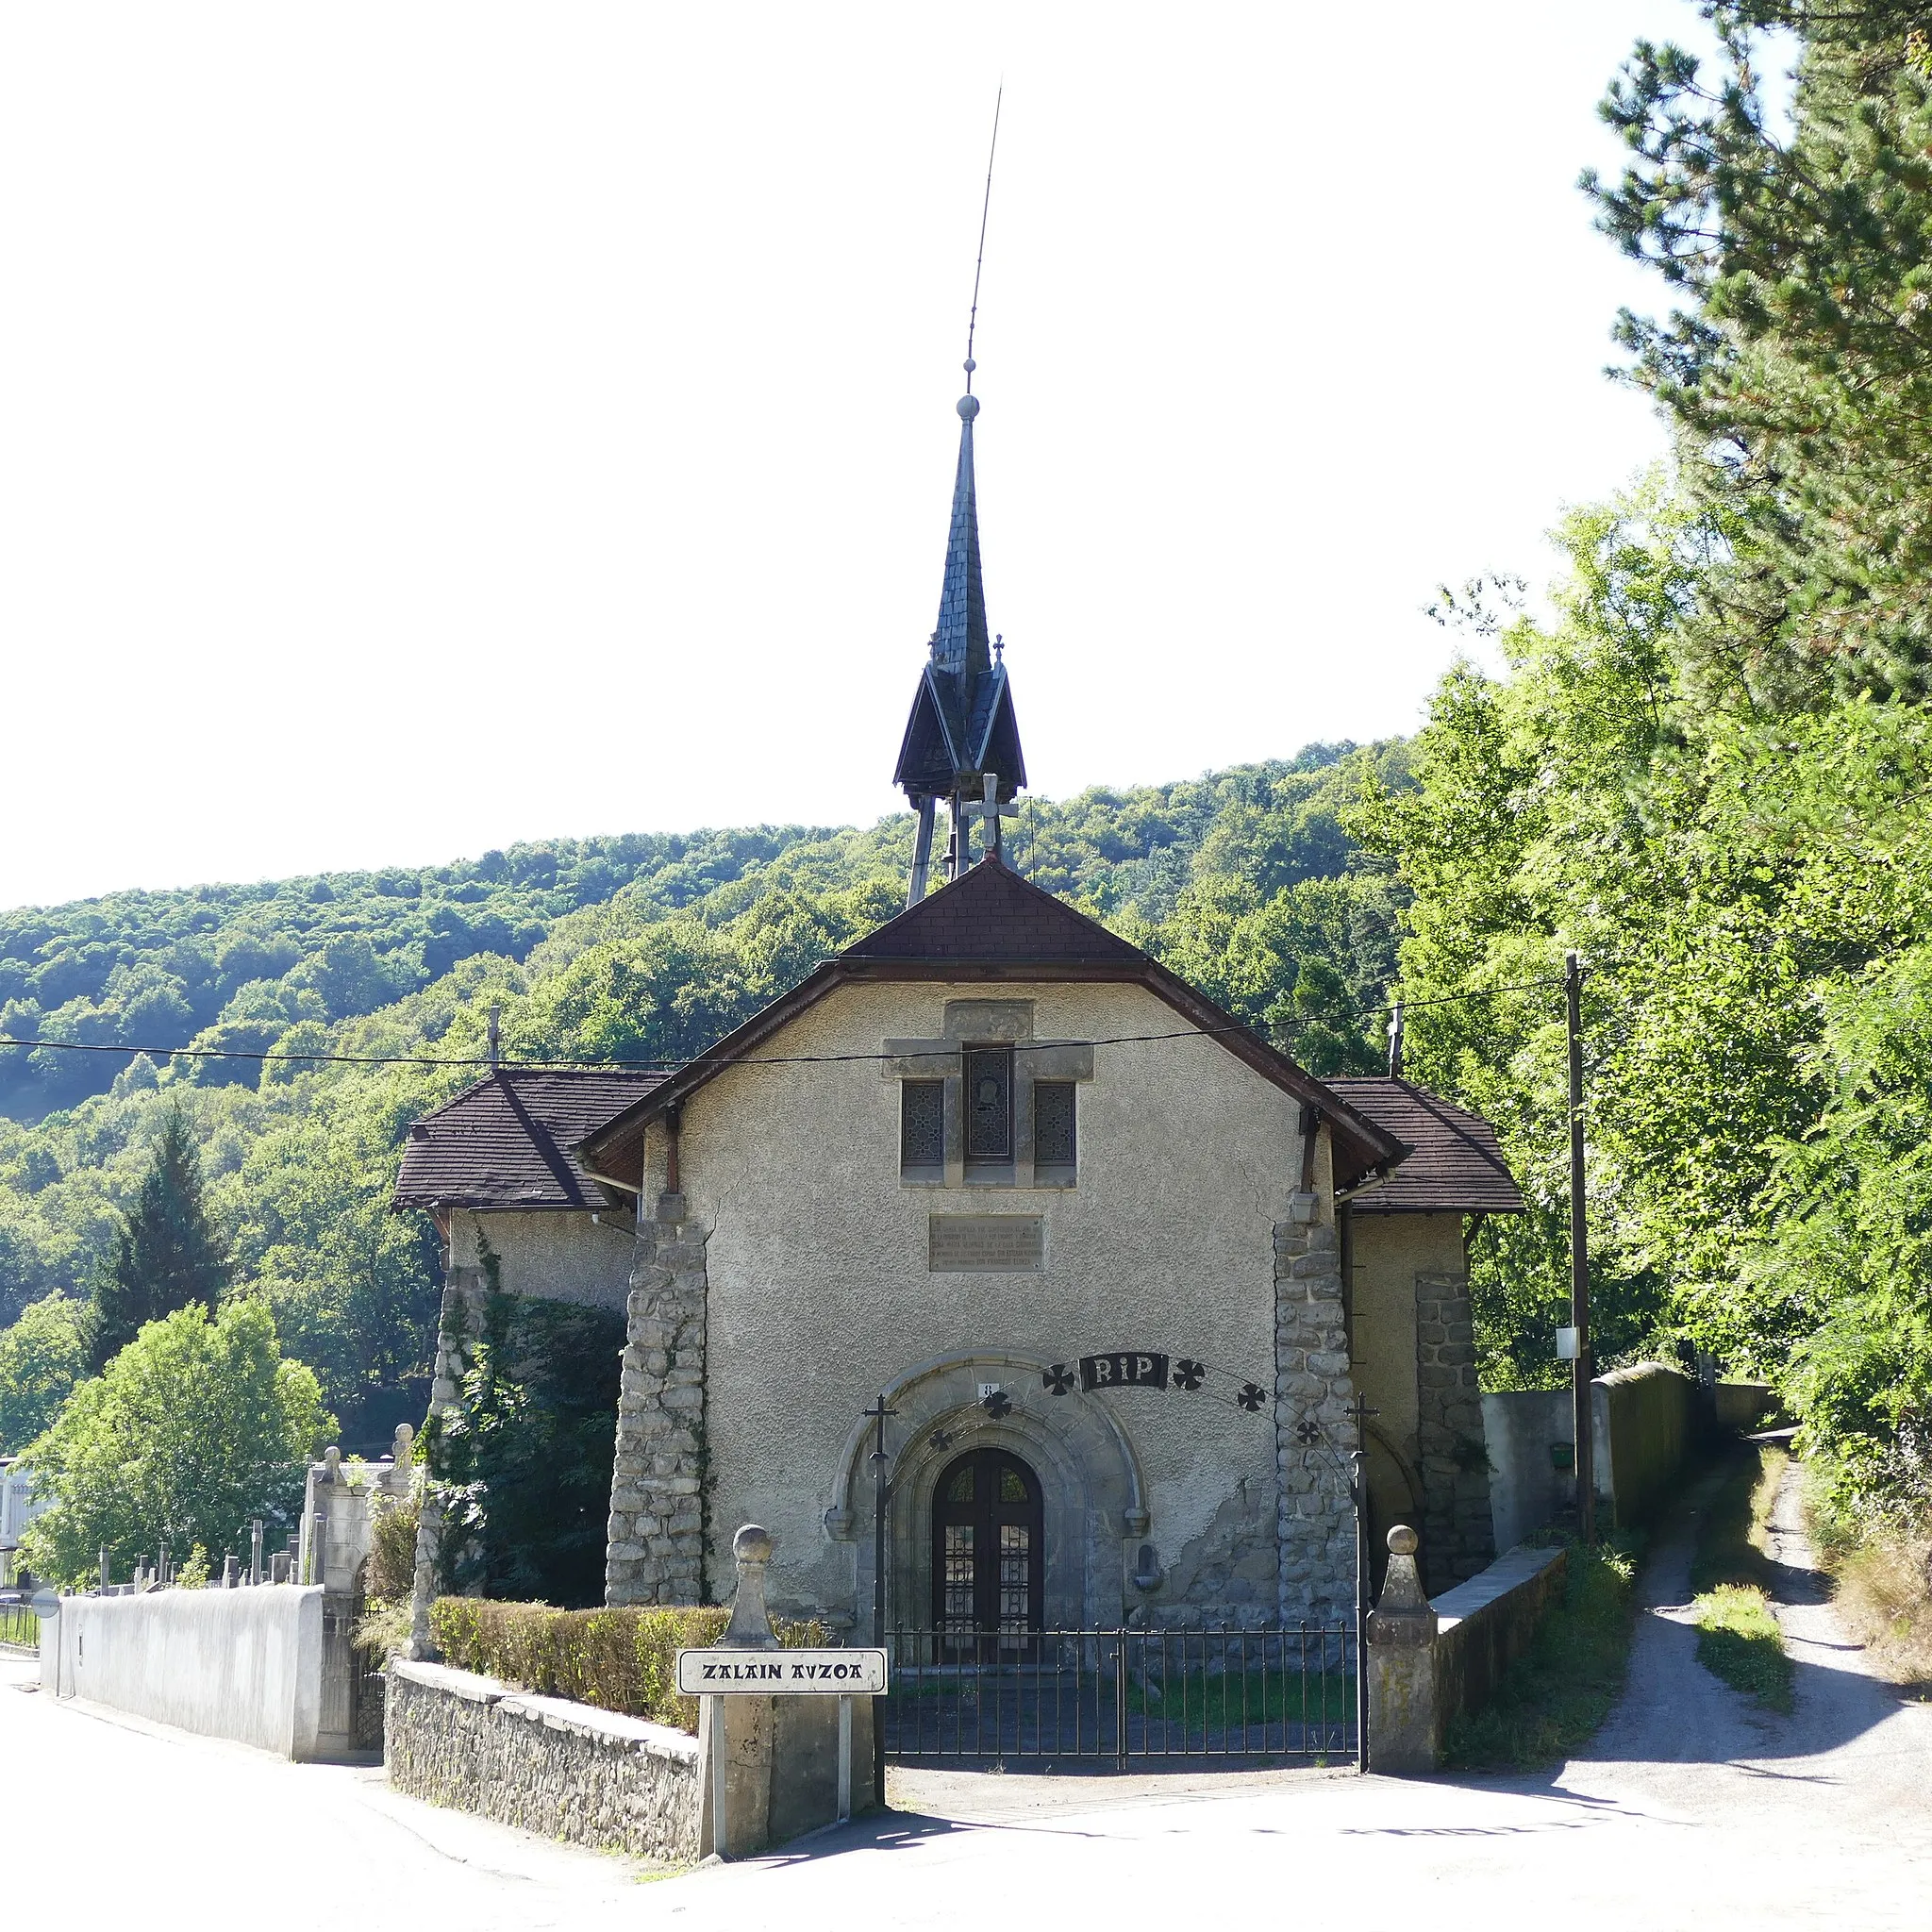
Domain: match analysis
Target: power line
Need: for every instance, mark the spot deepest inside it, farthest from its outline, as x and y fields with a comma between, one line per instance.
x=668, y=1066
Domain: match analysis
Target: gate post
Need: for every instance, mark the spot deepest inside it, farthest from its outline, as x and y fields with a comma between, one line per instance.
x=1405, y=1729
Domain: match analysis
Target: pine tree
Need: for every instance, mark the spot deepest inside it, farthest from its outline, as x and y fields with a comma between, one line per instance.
x=167, y=1253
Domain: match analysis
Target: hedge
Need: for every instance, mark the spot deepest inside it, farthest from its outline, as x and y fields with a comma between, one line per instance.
x=621, y=1659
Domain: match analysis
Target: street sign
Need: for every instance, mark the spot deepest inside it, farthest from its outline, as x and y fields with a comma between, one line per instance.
x=781, y=1673
x=44, y=1604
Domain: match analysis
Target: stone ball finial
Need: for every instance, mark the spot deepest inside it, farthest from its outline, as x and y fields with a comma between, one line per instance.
x=752, y=1544
x=1402, y=1540
x=968, y=407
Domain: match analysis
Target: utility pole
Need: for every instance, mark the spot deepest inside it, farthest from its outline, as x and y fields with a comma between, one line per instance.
x=1579, y=1265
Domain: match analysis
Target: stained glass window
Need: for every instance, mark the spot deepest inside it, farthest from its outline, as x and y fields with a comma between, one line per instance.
x=1053, y=1124
x=988, y=1103
x=922, y=1123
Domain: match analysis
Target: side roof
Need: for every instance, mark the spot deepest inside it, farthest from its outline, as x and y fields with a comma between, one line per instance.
x=1457, y=1165
x=507, y=1140
x=993, y=924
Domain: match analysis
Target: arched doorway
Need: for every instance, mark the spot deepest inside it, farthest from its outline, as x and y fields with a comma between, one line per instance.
x=989, y=1544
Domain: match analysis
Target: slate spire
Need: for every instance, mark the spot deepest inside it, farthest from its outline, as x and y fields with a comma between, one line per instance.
x=962, y=729
x=960, y=642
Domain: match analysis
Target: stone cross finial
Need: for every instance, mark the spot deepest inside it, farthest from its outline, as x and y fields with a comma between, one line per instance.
x=750, y=1623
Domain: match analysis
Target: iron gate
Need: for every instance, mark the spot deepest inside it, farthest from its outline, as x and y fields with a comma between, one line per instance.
x=1285, y=1691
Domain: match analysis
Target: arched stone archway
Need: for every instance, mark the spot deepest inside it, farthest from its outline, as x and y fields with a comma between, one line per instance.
x=1094, y=1505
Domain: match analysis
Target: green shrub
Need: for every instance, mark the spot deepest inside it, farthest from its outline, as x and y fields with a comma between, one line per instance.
x=391, y=1574
x=621, y=1659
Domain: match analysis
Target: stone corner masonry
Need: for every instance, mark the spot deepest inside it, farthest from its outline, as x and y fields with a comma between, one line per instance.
x=1313, y=1428
x=656, y=1551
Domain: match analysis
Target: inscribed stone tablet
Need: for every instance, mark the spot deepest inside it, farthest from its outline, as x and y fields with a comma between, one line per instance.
x=987, y=1244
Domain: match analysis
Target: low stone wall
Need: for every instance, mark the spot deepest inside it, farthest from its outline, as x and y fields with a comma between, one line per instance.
x=567, y=1771
x=1429, y=1662
x=1484, y=1626
x=245, y=1664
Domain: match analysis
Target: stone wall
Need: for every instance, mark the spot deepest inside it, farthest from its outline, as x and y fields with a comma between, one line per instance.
x=657, y=1528
x=1313, y=1430
x=567, y=1771
x=1429, y=1662
x=1458, y=1538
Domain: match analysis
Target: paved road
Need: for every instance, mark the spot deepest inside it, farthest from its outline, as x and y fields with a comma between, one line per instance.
x=1693, y=1811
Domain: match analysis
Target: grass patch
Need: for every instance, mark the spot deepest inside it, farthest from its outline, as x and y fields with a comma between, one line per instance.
x=1553, y=1696
x=1737, y=1636
x=1732, y=1541
x=1229, y=1700
x=1738, y=1640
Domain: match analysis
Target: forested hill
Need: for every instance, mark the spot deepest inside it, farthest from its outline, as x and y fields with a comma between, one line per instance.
x=1244, y=880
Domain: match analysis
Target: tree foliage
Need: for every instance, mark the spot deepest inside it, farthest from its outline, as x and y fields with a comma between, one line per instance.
x=197, y=1427
x=1710, y=770
x=167, y=1252
x=618, y=949
x=41, y=1357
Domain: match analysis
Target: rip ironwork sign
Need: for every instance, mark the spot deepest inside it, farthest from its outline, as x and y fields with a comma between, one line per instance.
x=1148, y=1368
x=1124, y=1368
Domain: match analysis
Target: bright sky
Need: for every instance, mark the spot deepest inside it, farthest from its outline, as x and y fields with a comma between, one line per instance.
x=427, y=426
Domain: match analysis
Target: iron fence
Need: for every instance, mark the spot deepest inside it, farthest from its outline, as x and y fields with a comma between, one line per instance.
x=19, y=1626
x=1285, y=1690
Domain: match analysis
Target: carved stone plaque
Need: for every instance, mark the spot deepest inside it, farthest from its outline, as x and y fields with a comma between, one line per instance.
x=987, y=1244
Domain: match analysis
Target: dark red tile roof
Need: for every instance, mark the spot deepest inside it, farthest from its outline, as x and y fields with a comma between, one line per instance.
x=505, y=1143
x=1455, y=1167
x=992, y=914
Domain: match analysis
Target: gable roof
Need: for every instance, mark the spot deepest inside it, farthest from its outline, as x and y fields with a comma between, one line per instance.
x=993, y=924
x=1457, y=1165
x=506, y=1142
x=991, y=914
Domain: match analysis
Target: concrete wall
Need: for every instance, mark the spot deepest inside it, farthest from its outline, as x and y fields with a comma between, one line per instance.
x=549, y=1256
x=1644, y=1434
x=1650, y=1417
x=245, y=1664
x=820, y=1292
x=1741, y=1406
x=1527, y=1490
x=1385, y=1253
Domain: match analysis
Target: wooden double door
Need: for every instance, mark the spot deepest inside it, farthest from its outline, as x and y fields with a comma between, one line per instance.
x=988, y=1572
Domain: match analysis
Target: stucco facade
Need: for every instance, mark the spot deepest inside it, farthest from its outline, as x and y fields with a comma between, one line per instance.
x=821, y=1294
x=584, y=1257
x=1413, y=1355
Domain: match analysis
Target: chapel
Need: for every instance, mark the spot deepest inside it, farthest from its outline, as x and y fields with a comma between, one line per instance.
x=1008, y=1281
